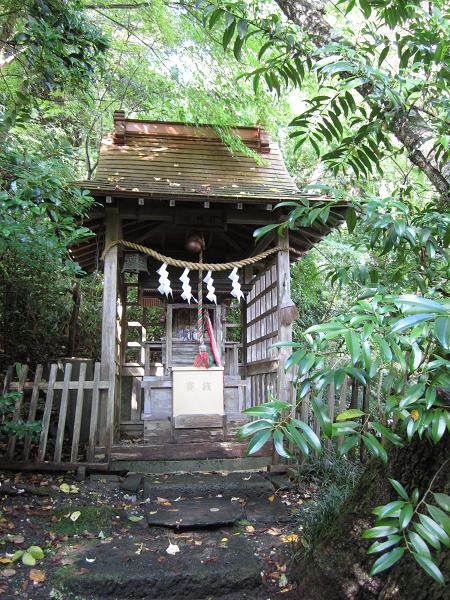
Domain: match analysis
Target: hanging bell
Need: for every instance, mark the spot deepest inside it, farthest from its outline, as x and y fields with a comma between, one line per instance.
x=134, y=262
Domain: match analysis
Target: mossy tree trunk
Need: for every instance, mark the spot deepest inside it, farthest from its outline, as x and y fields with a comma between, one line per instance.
x=338, y=566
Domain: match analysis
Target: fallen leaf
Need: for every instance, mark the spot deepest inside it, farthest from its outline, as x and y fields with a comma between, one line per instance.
x=290, y=539
x=135, y=518
x=18, y=539
x=36, y=576
x=172, y=549
x=271, y=498
x=250, y=529
x=65, y=487
x=283, y=581
x=273, y=531
x=28, y=559
x=75, y=516
x=5, y=561
x=8, y=572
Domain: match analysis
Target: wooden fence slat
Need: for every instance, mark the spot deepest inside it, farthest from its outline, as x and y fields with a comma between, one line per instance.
x=47, y=413
x=78, y=413
x=17, y=409
x=330, y=405
x=110, y=399
x=342, y=405
x=94, y=414
x=8, y=377
x=62, y=413
x=32, y=409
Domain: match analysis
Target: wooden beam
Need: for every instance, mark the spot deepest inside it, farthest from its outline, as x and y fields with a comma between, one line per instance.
x=109, y=325
x=284, y=331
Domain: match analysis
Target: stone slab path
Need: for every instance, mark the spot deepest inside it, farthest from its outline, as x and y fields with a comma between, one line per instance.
x=223, y=536
x=213, y=559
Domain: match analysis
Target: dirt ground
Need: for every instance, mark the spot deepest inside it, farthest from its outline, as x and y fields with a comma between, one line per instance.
x=72, y=523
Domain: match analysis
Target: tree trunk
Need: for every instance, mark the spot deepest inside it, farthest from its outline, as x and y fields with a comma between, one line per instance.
x=337, y=567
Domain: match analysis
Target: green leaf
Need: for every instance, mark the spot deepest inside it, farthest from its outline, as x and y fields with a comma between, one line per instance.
x=135, y=518
x=388, y=510
x=383, y=55
x=442, y=331
x=380, y=546
x=405, y=516
x=261, y=411
x=309, y=434
x=351, y=218
x=253, y=427
x=351, y=413
x=413, y=303
x=258, y=441
x=278, y=439
x=408, y=322
x=429, y=567
x=399, y=489
x=28, y=559
x=298, y=439
x=388, y=434
x=418, y=544
x=242, y=28
x=443, y=500
x=321, y=414
x=261, y=231
x=36, y=552
x=427, y=535
x=386, y=352
x=387, y=560
x=352, y=340
x=380, y=531
x=228, y=34
x=348, y=444
x=294, y=358
x=374, y=447
x=440, y=517
x=436, y=529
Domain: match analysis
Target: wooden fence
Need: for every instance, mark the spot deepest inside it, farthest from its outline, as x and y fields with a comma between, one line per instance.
x=67, y=406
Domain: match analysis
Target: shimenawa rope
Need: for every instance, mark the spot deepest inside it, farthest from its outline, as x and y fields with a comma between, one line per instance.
x=200, y=266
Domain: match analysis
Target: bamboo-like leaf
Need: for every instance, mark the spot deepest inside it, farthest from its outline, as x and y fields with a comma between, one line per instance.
x=380, y=546
x=443, y=500
x=309, y=434
x=379, y=531
x=399, y=489
x=352, y=341
x=387, y=560
x=442, y=331
x=278, y=439
x=350, y=413
x=258, y=441
x=430, y=567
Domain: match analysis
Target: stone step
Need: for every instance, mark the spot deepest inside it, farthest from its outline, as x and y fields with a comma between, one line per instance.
x=221, y=566
x=242, y=485
x=198, y=513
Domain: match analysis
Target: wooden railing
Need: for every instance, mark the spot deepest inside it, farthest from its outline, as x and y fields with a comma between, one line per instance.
x=67, y=407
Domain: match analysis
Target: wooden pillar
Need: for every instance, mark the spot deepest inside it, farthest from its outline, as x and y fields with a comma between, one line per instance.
x=285, y=390
x=110, y=351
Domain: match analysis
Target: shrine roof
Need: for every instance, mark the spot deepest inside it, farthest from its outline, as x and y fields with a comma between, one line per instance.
x=161, y=159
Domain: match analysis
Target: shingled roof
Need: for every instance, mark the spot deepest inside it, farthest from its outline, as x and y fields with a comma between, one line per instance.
x=153, y=158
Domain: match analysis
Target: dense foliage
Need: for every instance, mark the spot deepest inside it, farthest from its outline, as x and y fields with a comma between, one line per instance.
x=364, y=86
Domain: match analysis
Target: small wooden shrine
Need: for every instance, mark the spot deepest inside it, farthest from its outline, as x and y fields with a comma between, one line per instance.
x=179, y=192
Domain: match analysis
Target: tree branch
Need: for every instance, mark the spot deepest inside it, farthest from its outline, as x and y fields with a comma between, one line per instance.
x=409, y=128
